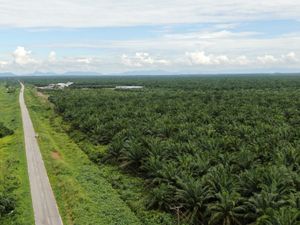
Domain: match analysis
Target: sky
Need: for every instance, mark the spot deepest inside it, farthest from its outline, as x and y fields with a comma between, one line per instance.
x=180, y=36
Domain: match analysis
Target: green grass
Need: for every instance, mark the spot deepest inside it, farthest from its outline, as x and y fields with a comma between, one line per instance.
x=83, y=195
x=13, y=166
x=129, y=187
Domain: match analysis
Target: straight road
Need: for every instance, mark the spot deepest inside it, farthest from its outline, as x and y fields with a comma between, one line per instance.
x=43, y=201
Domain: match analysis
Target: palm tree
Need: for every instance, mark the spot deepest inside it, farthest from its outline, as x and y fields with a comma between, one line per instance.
x=152, y=167
x=219, y=178
x=160, y=197
x=260, y=203
x=243, y=159
x=289, y=156
x=170, y=172
x=193, y=196
x=197, y=165
x=227, y=210
x=116, y=147
x=249, y=182
x=282, y=216
x=132, y=155
x=277, y=179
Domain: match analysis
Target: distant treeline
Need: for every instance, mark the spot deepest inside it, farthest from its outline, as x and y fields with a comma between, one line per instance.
x=178, y=81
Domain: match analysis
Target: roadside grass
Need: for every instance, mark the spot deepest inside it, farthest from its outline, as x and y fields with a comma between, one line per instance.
x=129, y=187
x=83, y=195
x=13, y=166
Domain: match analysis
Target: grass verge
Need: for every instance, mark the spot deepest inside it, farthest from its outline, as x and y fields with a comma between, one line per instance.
x=13, y=166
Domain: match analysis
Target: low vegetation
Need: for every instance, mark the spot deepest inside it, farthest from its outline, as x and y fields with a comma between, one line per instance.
x=221, y=150
x=4, y=131
x=15, y=201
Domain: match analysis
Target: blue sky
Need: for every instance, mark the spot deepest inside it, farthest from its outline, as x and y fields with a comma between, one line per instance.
x=193, y=36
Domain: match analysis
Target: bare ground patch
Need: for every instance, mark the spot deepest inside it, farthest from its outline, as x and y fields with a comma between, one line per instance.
x=55, y=155
x=42, y=95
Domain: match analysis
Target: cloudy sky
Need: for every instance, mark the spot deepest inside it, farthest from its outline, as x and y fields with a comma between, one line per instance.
x=185, y=36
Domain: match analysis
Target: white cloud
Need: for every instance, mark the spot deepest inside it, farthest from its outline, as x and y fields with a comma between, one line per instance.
x=23, y=57
x=209, y=35
x=242, y=60
x=129, y=62
x=95, y=13
x=267, y=59
x=290, y=57
x=84, y=60
x=76, y=63
x=52, y=57
x=283, y=59
x=217, y=43
x=142, y=59
x=23, y=62
x=236, y=43
x=201, y=58
x=3, y=64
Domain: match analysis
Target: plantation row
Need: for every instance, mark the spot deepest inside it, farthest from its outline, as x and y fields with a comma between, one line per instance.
x=222, y=155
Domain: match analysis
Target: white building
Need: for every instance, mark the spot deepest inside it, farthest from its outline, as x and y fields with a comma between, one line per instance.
x=63, y=85
x=57, y=86
x=129, y=87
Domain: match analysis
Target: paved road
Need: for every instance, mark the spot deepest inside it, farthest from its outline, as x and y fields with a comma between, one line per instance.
x=43, y=201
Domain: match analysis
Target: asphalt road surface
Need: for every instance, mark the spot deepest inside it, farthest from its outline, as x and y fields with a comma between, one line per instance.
x=43, y=201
